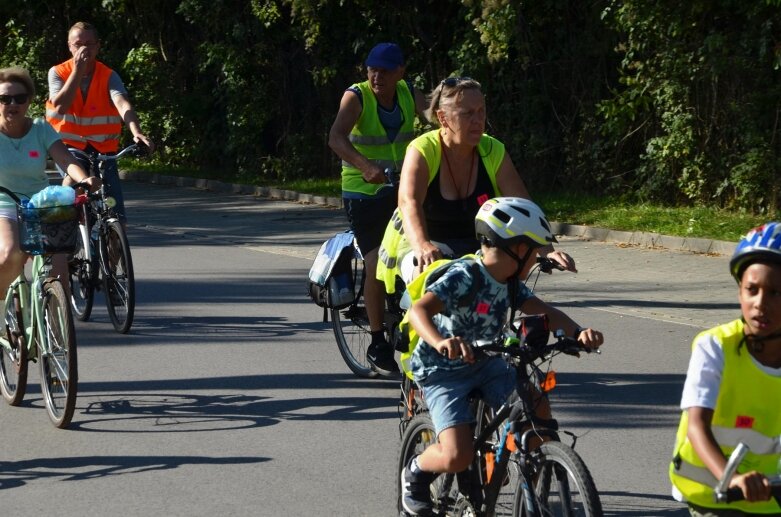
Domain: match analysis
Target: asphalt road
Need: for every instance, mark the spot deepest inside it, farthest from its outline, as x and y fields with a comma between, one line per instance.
x=229, y=395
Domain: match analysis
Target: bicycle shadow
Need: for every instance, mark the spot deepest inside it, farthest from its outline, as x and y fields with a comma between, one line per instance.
x=645, y=505
x=14, y=474
x=163, y=405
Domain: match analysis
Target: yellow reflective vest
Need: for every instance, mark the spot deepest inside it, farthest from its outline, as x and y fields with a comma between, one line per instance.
x=747, y=410
x=394, y=244
x=371, y=140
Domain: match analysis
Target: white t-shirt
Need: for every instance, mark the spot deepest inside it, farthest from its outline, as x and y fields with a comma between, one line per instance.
x=23, y=161
x=703, y=378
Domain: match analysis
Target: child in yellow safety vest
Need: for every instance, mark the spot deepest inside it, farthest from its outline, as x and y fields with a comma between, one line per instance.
x=733, y=388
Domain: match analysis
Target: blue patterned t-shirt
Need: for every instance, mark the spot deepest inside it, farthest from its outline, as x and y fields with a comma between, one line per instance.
x=482, y=319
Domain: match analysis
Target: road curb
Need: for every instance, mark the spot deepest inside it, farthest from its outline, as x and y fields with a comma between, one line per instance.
x=588, y=233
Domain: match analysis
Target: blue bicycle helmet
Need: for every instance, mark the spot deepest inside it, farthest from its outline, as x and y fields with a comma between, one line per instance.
x=762, y=244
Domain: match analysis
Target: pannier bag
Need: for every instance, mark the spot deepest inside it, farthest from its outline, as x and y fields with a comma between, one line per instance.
x=331, y=279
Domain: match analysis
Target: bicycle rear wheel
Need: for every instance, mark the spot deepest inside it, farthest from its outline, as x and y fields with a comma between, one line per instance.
x=13, y=362
x=82, y=270
x=352, y=331
x=57, y=355
x=119, y=285
x=564, y=486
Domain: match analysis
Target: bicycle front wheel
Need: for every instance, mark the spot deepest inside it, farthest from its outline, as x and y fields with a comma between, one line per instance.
x=417, y=437
x=82, y=271
x=119, y=285
x=57, y=355
x=13, y=360
x=564, y=486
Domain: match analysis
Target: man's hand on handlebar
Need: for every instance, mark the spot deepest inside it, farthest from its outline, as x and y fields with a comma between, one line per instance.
x=562, y=259
x=375, y=174
x=754, y=485
x=143, y=140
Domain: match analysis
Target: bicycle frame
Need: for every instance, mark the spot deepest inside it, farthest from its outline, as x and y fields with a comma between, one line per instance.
x=30, y=293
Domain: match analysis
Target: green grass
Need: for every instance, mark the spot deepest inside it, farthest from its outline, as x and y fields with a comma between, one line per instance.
x=603, y=212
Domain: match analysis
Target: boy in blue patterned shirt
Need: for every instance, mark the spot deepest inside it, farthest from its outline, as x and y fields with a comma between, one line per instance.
x=443, y=363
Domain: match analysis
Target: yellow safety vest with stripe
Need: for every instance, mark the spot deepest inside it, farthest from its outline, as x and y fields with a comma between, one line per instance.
x=746, y=411
x=371, y=140
x=94, y=120
x=416, y=289
x=394, y=244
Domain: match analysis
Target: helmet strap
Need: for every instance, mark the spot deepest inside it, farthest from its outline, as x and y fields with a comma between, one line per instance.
x=513, y=282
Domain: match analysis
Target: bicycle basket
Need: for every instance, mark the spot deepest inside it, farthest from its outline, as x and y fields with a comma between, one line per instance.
x=44, y=231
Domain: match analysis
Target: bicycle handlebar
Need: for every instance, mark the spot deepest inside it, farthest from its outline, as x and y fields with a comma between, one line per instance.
x=514, y=348
x=725, y=494
x=138, y=150
x=547, y=265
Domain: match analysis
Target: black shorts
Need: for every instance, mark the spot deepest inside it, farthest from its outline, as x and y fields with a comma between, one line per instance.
x=368, y=219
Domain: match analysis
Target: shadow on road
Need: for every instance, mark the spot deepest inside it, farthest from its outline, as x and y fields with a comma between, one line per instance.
x=616, y=401
x=18, y=473
x=156, y=406
x=645, y=505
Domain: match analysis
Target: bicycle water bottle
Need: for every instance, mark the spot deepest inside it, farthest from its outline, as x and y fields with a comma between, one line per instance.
x=32, y=241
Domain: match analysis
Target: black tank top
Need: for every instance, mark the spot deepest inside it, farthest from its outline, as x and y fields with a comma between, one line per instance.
x=451, y=221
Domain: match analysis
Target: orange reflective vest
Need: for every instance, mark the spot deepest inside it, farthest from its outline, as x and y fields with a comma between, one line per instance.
x=93, y=121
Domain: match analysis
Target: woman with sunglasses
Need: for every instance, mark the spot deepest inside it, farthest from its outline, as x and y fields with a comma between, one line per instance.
x=447, y=175
x=24, y=144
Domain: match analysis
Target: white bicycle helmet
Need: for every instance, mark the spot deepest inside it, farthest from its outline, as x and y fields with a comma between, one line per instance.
x=760, y=244
x=504, y=221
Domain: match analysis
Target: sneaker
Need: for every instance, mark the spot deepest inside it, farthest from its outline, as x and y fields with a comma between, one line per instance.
x=416, y=491
x=380, y=357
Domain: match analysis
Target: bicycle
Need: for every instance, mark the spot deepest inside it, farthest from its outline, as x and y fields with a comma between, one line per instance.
x=38, y=320
x=102, y=260
x=351, y=324
x=507, y=476
x=724, y=494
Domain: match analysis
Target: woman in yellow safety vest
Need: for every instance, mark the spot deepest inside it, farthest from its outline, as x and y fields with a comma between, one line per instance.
x=447, y=175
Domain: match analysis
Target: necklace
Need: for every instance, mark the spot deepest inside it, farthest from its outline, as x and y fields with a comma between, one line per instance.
x=461, y=197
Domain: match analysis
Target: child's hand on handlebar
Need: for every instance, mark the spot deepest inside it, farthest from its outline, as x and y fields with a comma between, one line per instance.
x=590, y=338
x=455, y=347
x=754, y=485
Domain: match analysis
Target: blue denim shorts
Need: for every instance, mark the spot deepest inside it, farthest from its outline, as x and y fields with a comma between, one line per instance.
x=446, y=392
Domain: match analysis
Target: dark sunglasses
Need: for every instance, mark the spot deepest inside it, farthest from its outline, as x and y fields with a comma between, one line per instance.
x=19, y=98
x=453, y=81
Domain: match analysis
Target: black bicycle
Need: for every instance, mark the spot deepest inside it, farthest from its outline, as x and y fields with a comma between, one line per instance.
x=508, y=475
x=102, y=260
x=351, y=324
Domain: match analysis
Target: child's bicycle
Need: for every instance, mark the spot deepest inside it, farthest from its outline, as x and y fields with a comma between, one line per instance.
x=102, y=260
x=507, y=476
x=38, y=322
